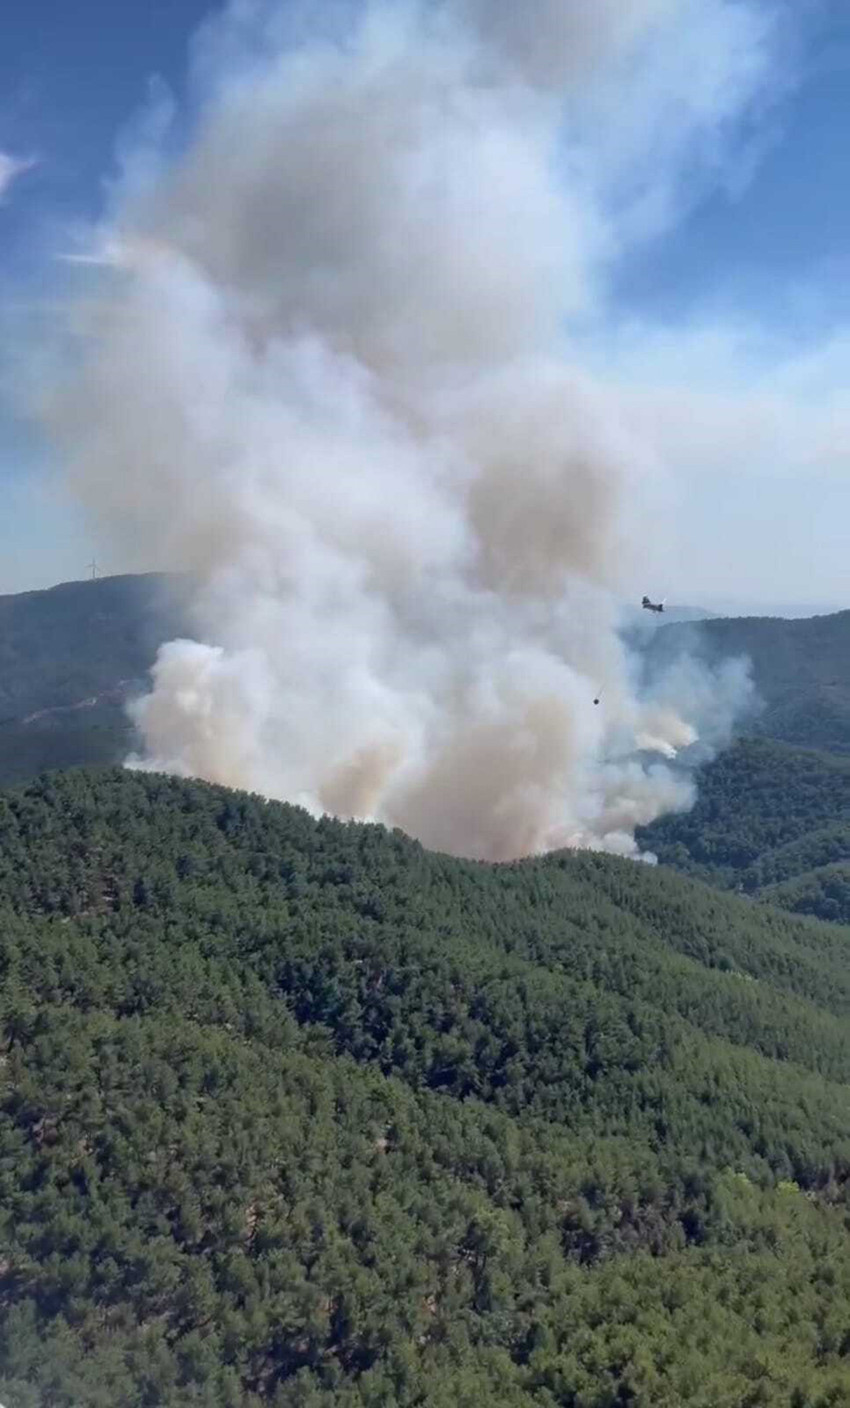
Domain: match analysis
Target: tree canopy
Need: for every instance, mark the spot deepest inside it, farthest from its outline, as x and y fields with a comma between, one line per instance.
x=770, y=821
x=294, y=1112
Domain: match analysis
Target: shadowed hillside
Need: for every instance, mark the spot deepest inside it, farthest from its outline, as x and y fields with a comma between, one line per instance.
x=70, y=656
x=801, y=670
x=69, y=659
x=296, y=1113
x=770, y=819
x=762, y=809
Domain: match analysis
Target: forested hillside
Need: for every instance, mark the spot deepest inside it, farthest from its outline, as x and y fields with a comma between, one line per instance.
x=772, y=818
x=296, y=1113
x=769, y=820
x=69, y=659
x=801, y=669
x=70, y=656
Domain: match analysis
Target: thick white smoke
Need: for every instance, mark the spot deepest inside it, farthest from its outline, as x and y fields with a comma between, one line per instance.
x=331, y=377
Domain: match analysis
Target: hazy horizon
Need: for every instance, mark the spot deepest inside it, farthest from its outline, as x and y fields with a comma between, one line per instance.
x=717, y=606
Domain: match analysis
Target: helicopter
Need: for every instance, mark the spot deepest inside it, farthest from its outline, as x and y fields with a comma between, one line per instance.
x=652, y=605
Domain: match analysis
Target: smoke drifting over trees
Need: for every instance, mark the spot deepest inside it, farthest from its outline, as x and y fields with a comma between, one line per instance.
x=331, y=374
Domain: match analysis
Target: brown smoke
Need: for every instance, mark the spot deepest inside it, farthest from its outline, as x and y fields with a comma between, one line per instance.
x=333, y=379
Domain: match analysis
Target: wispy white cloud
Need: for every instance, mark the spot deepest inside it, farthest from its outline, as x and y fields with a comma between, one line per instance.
x=753, y=427
x=11, y=167
x=731, y=396
x=100, y=255
x=97, y=261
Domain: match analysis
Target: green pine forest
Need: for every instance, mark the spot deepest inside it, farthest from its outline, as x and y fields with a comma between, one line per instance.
x=801, y=669
x=772, y=816
x=770, y=821
x=296, y=1113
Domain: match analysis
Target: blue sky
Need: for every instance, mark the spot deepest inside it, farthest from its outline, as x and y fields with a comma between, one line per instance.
x=71, y=78
x=788, y=227
x=745, y=293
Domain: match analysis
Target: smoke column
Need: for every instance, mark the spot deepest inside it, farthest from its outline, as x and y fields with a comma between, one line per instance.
x=330, y=374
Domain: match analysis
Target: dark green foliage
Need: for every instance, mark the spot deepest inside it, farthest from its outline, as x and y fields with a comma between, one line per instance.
x=824, y=892
x=100, y=735
x=771, y=821
x=295, y=1113
x=801, y=670
x=69, y=658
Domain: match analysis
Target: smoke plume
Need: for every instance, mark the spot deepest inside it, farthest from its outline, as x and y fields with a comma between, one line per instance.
x=331, y=375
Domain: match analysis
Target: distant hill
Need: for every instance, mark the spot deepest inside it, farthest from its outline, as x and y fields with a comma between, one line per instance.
x=772, y=816
x=294, y=1113
x=791, y=610
x=801, y=669
x=637, y=619
x=770, y=820
x=70, y=657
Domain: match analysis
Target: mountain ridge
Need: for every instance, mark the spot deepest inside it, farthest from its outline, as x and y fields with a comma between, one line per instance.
x=71, y=658
x=801, y=669
x=97, y=640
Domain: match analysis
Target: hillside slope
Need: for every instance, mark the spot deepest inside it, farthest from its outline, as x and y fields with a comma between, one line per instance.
x=69, y=659
x=801, y=669
x=770, y=820
x=296, y=1113
x=70, y=656
x=772, y=817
